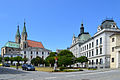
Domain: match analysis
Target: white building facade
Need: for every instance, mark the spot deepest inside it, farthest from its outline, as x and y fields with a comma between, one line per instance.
x=96, y=48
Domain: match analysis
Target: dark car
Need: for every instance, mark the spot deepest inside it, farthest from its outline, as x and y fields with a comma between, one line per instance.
x=28, y=67
x=6, y=65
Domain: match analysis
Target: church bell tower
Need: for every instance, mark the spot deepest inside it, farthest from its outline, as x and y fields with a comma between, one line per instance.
x=24, y=38
x=17, y=36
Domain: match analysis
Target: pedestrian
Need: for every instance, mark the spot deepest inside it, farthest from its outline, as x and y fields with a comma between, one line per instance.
x=17, y=66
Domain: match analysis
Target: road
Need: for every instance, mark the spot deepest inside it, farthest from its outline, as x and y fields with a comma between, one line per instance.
x=12, y=74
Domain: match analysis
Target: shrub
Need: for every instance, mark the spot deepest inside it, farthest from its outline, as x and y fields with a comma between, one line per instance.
x=80, y=69
x=62, y=68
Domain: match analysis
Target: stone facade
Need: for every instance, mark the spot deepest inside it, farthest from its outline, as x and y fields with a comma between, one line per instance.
x=96, y=48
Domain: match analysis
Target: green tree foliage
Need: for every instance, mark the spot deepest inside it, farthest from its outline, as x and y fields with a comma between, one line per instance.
x=12, y=59
x=7, y=59
x=66, y=53
x=65, y=57
x=0, y=59
x=37, y=60
x=34, y=62
x=25, y=60
x=82, y=59
x=18, y=59
x=51, y=58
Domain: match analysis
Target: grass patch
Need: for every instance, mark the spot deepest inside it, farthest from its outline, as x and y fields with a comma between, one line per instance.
x=15, y=66
x=92, y=69
x=45, y=69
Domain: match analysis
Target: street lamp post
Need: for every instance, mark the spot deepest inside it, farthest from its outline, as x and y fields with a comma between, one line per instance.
x=55, y=64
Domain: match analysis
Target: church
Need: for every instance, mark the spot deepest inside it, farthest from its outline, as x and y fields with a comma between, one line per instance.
x=23, y=47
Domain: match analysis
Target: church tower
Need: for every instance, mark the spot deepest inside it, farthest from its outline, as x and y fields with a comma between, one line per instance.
x=81, y=28
x=17, y=36
x=24, y=37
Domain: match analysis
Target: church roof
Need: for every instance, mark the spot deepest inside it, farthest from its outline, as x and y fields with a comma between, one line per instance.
x=12, y=44
x=35, y=44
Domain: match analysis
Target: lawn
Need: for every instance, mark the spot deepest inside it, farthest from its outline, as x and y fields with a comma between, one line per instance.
x=15, y=66
x=45, y=69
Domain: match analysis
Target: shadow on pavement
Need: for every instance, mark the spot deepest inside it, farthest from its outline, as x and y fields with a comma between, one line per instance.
x=10, y=71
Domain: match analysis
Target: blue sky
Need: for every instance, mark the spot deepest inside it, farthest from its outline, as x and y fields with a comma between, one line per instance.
x=53, y=22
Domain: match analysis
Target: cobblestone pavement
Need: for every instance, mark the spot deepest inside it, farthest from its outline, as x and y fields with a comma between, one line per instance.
x=13, y=74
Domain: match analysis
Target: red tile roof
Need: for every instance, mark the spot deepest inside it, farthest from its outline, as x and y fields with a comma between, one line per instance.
x=35, y=44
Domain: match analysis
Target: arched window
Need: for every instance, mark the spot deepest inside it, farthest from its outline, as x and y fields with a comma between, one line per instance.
x=25, y=38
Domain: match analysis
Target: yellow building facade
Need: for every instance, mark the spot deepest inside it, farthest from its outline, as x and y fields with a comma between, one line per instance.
x=115, y=50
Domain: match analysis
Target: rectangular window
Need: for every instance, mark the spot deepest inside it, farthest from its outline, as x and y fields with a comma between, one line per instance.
x=101, y=61
x=97, y=42
x=92, y=53
x=42, y=53
x=31, y=52
x=89, y=53
x=112, y=49
x=24, y=52
x=112, y=59
x=113, y=39
x=42, y=57
x=37, y=52
x=85, y=47
x=100, y=40
x=92, y=44
x=24, y=56
x=89, y=45
x=92, y=62
x=96, y=61
x=100, y=50
x=97, y=51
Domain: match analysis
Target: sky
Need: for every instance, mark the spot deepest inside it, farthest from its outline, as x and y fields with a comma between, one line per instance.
x=53, y=22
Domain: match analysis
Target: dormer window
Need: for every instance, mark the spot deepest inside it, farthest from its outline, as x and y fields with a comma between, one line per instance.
x=114, y=26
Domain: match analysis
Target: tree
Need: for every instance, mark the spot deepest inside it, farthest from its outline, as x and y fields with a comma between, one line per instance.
x=65, y=57
x=37, y=61
x=18, y=59
x=51, y=58
x=40, y=60
x=34, y=62
x=66, y=53
x=25, y=60
x=11, y=60
x=0, y=59
x=7, y=59
x=82, y=59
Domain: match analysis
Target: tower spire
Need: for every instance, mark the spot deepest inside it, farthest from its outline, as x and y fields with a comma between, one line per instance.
x=82, y=28
x=18, y=32
x=17, y=36
x=24, y=28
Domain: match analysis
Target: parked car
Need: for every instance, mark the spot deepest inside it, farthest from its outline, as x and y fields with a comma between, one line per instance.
x=28, y=67
x=6, y=65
